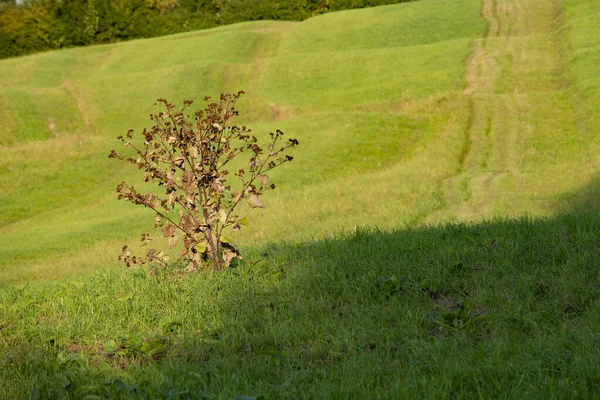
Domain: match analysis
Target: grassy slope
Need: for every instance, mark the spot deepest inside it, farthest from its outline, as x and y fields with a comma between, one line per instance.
x=525, y=141
x=361, y=101
x=398, y=126
x=500, y=309
x=584, y=52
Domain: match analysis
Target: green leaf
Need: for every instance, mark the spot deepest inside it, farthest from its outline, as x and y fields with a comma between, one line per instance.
x=223, y=216
x=153, y=347
x=71, y=357
x=225, y=239
x=243, y=221
x=88, y=392
x=201, y=247
x=109, y=347
x=62, y=379
x=278, y=358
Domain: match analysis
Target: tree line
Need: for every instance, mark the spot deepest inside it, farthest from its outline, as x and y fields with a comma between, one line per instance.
x=38, y=25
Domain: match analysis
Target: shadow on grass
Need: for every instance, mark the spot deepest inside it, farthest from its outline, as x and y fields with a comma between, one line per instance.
x=503, y=308
x=585, y=200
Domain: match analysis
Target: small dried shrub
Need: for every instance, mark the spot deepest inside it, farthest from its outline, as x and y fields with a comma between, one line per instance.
x=188, y=157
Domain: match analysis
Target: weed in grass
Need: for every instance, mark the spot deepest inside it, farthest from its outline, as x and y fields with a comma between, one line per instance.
x=188, y=159
x=462, y=317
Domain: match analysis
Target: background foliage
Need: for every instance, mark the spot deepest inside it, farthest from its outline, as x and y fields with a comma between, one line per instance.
x=53, y=24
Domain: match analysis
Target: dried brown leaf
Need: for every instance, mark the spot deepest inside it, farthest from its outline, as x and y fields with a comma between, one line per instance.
x=228, y=255
x=168, y=230
x=188, y=181
x=179, y=161
x=236, y=196
x=173, y=241
x=264, y=179
x=196, y=257
x=188, y=222
x=255, y=202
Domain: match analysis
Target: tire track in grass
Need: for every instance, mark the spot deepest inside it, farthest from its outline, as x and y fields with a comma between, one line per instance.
x=498, y=77
x=481, y=71
x=268, y=48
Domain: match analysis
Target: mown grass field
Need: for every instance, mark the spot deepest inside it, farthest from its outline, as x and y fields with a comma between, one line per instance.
x=399, y=124
x=408, y=116
x=360, y=98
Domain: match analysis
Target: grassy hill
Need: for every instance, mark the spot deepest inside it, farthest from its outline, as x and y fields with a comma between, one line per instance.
x=372, y=99
x=407, y=115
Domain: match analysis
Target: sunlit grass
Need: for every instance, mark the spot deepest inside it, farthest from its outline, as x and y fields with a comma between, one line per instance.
x=378, y=105
x=366, y=112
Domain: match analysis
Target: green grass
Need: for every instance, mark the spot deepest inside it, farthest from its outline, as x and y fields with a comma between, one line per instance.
x=361, y=101
x=503, y=309
x=585, y=47
x=408, y=115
